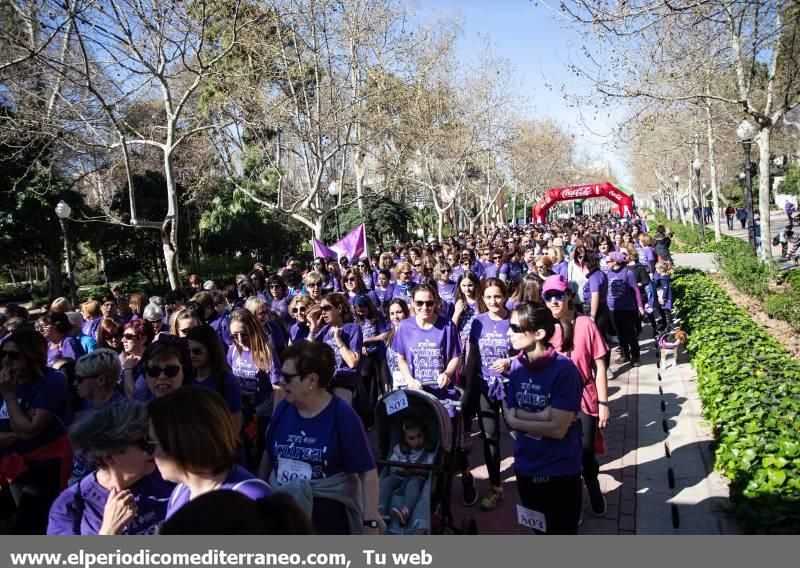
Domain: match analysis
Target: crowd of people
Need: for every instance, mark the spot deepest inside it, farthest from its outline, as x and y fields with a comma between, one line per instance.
x=246, y=406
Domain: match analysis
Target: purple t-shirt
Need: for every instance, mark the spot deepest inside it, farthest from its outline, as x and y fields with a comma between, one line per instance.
x=373, y=297
x=281, y=308
x=239, y=480
x=370, y=329
x=90, y=326
x=622, y=290
x=597, y=281
x=298, y=331
x=254, y=383
x=648, y=256
x=558, y=385
x=70, y=348
x=333, y=441
x=515, y=271
x=353, y=338
x=491, y=338
x=562, y=268
x=220, y=324
x=492, y=271
x=447, y=292
x=79, y=509
x=465, y=322
x=231, y=390
x=397, y=290
x=49, y=393
x=663, y=289
x=427, y=351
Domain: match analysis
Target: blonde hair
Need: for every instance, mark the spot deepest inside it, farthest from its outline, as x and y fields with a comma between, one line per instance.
x=182, y=314
x=91, y=309
x=664, y=265
x=260, y=344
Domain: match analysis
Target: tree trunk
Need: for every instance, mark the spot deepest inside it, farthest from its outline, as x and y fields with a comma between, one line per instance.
x=56, y=288
x=169, y=231
x=712, y=172
x=763, y=191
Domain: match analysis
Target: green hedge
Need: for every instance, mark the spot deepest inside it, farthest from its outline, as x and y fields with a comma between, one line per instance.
x=743, y=268
x=750, y=389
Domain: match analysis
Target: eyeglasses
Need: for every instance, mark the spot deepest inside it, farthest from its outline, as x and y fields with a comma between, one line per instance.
x=554, y=297
x=12, y=355
x=425, y=303
x=326, y=308
x=313, y=285
x=170, y=371
x=196, y=351
x=147, y=446
x=80, y=378
x=515, y=328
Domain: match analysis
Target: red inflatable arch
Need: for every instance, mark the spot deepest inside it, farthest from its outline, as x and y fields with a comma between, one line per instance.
x=622, y=200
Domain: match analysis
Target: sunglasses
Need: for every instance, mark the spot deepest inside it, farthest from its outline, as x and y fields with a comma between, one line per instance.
x=515, y=328
x=496, y=257
x=298, y=310
x=554, y=297
x=12, y=355
x=426, y=303
x=326, y=308
x=79, y=378
x=313, y=285
x=147, y=446
x=170, y=371
x=289, y=377
x=130, y=336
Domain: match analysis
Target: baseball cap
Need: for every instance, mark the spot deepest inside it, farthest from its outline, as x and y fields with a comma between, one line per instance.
x=555, y=283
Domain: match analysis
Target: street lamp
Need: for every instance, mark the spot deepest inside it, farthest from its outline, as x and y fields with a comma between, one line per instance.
x=63, y=211
x=696, y=165
x=745, y=132
x=333, y=191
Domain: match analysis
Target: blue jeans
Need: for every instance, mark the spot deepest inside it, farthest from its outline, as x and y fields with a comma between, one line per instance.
x=411, y=492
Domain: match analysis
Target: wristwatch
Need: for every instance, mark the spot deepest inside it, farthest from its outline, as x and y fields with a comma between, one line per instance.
x=373, y=524
x=602, y=402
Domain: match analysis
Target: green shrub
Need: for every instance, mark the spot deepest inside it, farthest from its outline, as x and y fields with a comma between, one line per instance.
x=743, y=268
x=784, y=307
x=750, y=389
x=96, y=293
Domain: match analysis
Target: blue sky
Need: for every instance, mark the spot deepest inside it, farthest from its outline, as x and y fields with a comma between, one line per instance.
x=539, y=44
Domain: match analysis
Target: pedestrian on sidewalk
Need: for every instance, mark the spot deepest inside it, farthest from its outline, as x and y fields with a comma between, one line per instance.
x=624, y=299
x=730, y=212
x=579, y=338
x=789, y=208
x=544, y=399
x=741, y=214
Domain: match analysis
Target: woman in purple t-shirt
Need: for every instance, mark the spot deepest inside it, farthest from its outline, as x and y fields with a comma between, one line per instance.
x=55, y=326
x=332, y=322
x=624, y=301
x=196, y=446
x=125, y=495
x=544, y=397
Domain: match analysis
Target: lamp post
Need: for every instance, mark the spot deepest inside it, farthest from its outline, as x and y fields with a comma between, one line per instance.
x=333, y=191
x=697, y=164
x=63, y=211
x=745, y=133
x=677, y=201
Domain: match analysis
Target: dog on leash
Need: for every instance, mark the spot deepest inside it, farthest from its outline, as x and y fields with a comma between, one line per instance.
x=668, y=343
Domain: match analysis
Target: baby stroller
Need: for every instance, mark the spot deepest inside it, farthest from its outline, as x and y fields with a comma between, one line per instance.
x=442, y=420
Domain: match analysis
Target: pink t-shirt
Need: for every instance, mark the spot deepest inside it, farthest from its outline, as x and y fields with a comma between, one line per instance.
x=589, y=346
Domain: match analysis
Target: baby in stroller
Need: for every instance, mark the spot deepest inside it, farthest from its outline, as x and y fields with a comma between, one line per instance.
x=412, y=451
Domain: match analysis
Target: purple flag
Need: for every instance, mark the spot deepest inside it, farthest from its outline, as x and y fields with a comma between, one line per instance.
x=353, y=244
x=321, y=250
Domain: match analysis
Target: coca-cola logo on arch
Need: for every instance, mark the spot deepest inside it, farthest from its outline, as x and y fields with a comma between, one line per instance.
x=573, y=192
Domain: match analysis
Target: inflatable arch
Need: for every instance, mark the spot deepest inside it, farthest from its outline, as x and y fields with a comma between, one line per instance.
x=622, y=200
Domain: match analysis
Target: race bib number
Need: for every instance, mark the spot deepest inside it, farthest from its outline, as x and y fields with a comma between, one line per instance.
x=395, y=402
x=398, y=380
x=291, y=470
x=531, y=519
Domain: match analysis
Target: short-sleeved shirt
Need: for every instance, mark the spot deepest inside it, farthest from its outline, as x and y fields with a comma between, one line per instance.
x=353, y=338
x=332, y=442
x=597, y=281
x=70, y=348
x=231, y=390
x=255, y=383
x=427, y=351
x=298, y=331
x=558, y=386
x=371, y=328
x=48, y=393
x=491, y=338
x=81, y=467
x=622, y=290
x=238, y=479
x=465, y=323
x=79, y=509
x=588, y=346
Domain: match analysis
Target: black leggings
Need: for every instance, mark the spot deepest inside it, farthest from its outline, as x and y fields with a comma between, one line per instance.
x=559, y=498
x=490, y=430
x=625, y=322
x=590, y=466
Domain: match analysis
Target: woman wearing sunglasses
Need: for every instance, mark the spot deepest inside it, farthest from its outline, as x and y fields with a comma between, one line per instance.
x=166, y=367
x=33, y=418
x=331, y=322
x=365, y=269
x=403, y=283
x=298, y=308
x=579, y=338
x=196, y=446
x=312, y=284
x=136, y=336
x=211, y=370
x=397, y=311
x=446, y=288
x=543, y=399
x=109, y=335
x=280, y=299
x=498, y=267
x=254, y=361
x=55, y=327
x=125, y=495
x=354, y=286
x=96, y=376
